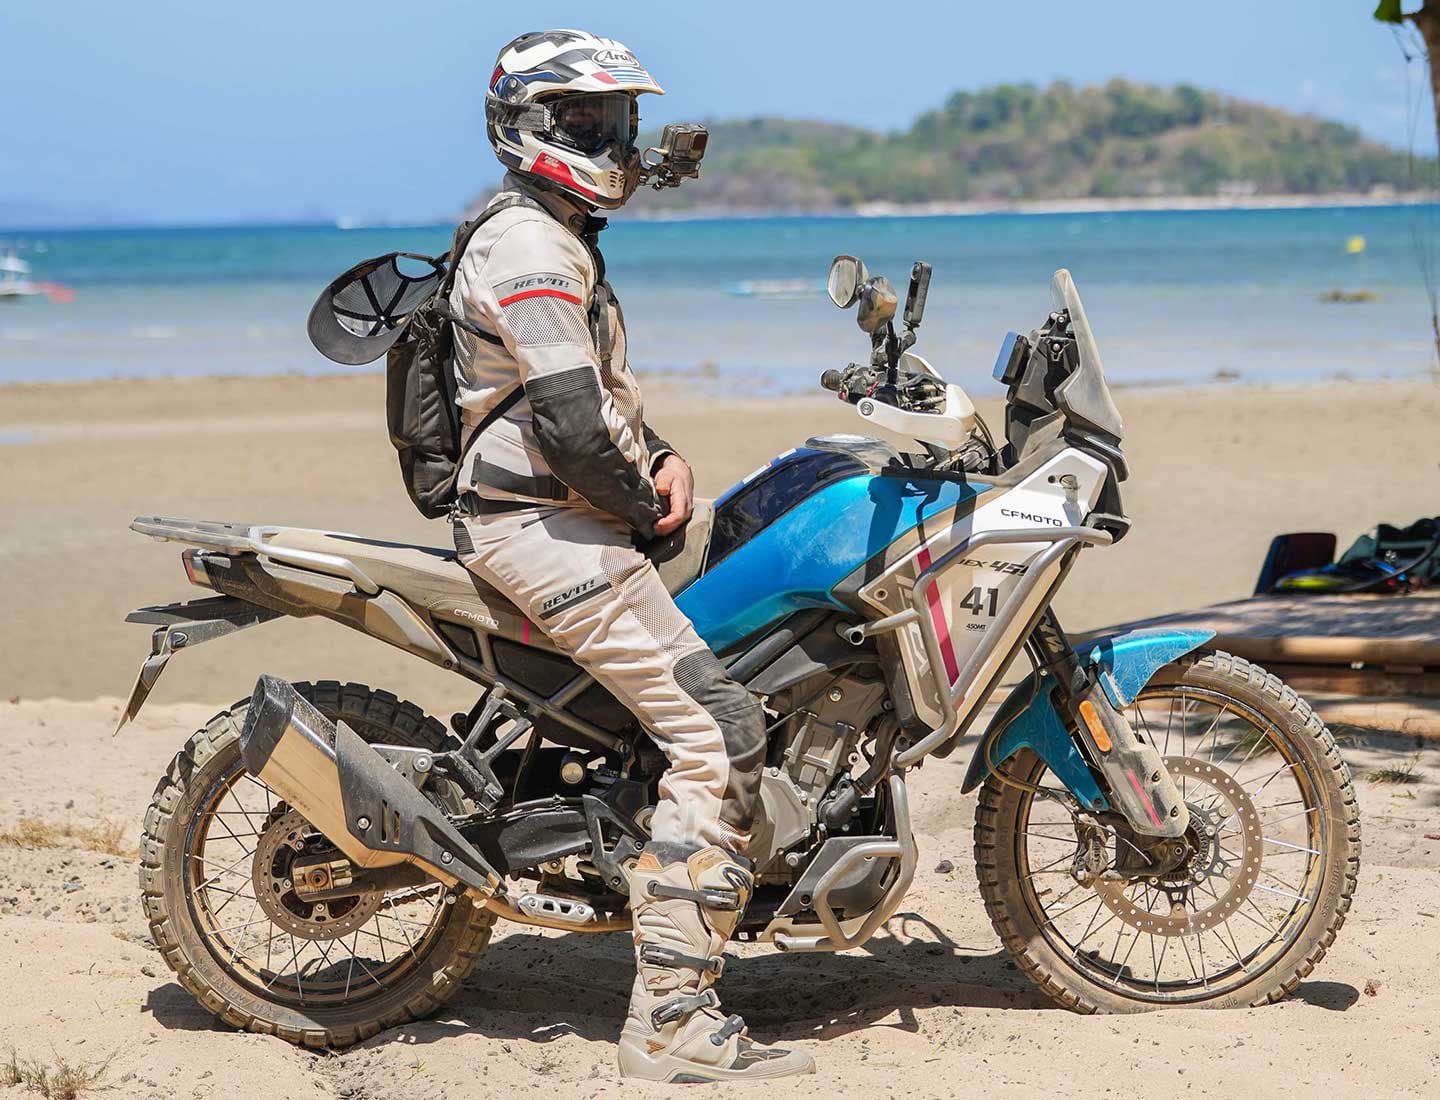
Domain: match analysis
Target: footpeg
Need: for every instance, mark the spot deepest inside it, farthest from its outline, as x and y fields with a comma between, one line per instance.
x=550, y=907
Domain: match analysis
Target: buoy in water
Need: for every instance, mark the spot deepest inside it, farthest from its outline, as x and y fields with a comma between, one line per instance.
x=1355, y=245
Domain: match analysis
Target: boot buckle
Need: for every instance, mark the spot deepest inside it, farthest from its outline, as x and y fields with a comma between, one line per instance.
x=733, y=1026
x=678, y=1008
x=715, y=898
x=656, y=955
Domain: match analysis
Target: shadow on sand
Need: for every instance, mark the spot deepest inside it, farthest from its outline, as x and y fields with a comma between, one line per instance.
x=538, y=988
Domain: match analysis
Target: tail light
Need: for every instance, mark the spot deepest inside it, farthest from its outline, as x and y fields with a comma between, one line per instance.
x=194, y=563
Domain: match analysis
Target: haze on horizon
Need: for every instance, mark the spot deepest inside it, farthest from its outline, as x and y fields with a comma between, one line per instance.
x=177, y=113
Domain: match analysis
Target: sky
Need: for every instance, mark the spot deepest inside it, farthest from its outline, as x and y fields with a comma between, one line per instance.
x=192, y=112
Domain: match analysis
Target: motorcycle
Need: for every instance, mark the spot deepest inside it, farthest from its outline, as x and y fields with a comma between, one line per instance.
x=1159, y=824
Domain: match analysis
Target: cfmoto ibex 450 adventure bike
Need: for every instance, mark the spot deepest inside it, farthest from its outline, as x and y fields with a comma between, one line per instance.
x=1159, y=824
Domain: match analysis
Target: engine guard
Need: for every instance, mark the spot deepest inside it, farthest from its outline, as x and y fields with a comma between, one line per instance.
x=1028, y=719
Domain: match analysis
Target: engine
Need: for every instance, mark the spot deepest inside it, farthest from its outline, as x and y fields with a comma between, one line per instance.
x=824, y=719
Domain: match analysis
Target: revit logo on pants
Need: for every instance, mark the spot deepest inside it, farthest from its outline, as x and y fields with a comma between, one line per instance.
x=569, y=597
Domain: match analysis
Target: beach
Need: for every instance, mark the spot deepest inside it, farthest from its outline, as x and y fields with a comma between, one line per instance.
x=1216, y=471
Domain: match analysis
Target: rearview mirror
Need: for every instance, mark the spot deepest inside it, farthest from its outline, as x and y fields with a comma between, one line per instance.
x=846, y=275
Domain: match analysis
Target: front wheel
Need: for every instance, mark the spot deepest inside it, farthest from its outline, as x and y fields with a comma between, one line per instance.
x=1264, y=884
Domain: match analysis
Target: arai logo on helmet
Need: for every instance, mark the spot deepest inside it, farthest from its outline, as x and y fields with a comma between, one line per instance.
x=616, y=59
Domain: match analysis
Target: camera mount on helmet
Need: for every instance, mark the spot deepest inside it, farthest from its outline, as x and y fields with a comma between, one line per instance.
x=677, y=157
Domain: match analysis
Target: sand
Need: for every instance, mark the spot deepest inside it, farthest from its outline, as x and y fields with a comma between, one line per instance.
x=930, y=1007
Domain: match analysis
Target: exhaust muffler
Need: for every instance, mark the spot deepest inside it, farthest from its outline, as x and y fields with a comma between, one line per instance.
x=350, y=792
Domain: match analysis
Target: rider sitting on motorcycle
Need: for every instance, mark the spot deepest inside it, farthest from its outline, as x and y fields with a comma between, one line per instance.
x=557, y=492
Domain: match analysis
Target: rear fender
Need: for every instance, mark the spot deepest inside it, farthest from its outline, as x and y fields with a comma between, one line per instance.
x=1028, y=718
x=183, y=626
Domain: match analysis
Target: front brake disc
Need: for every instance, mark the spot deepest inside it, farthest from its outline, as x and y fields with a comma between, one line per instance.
x=1216, y=878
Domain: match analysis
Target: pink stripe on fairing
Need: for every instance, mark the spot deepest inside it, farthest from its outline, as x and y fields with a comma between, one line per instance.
x=1149, y=809
x=525, y=632
x=937, y=616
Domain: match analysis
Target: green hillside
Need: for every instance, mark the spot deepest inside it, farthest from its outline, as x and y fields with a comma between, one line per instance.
x=1019, y=141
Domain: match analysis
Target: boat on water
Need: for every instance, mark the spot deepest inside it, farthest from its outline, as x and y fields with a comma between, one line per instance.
x=15, y=279
x=781, y=289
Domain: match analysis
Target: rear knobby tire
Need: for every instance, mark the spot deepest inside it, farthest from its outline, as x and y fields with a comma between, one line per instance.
x=210, y=754
x=999, y=863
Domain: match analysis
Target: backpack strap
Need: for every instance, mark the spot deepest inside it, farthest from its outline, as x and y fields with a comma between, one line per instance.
x=442, y=308
x=604, y=297
x=499, y=409
x=461, y=241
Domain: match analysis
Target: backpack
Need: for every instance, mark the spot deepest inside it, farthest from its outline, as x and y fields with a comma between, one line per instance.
x=375, y=309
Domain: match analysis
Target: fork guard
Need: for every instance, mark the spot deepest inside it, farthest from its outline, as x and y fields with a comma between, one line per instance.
x=1028, y=719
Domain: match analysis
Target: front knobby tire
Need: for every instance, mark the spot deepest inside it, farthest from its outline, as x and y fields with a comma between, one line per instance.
x=1311, y=855
x=184, y=802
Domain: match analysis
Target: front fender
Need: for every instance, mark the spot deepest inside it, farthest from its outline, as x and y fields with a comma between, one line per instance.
x=1028, y=718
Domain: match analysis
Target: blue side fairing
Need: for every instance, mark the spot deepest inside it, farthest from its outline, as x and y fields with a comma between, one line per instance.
x=796, y=561
x=1027, y=718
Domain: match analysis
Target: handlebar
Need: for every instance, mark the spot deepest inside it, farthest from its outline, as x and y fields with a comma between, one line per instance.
x=915, y=393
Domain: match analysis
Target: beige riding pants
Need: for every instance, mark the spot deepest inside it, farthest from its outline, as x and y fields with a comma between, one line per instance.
x=575, y=572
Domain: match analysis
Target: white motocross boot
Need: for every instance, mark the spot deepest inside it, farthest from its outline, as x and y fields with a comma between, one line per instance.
x=684, y=913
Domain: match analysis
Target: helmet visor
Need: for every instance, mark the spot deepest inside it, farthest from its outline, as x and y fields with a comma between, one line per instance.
x=590, y=122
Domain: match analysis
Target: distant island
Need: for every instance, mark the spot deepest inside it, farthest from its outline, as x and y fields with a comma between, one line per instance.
x=1120, y=143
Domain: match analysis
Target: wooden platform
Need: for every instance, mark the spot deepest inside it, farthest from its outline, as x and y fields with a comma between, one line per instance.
x=1360, y=645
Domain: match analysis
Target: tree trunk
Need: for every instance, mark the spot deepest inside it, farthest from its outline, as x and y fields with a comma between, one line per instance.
x=1427, y=22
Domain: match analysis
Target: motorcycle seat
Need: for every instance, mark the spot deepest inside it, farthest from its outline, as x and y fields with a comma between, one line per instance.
x=423, y=574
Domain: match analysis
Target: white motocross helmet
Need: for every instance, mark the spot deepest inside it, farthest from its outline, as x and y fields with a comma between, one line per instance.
x=561, y=107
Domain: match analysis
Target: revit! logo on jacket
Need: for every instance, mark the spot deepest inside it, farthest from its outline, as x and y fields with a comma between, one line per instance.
x=542, y=284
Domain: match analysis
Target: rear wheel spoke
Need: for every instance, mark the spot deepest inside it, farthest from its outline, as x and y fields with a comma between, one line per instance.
x=318, y=958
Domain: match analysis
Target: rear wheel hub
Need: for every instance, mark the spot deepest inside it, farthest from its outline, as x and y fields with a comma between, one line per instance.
x=282, y=843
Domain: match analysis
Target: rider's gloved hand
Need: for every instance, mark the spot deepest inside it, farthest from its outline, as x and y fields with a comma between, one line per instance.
x=676, y=486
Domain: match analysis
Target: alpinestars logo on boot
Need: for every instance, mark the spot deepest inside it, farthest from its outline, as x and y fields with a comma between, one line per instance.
x=569, y=597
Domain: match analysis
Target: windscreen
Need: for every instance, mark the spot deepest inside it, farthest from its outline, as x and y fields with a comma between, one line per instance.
x=1084, y=396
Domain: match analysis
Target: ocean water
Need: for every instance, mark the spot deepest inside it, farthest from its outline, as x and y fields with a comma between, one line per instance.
x=1174, y=297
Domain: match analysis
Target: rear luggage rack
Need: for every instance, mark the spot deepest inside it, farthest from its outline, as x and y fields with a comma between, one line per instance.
x=244, y=538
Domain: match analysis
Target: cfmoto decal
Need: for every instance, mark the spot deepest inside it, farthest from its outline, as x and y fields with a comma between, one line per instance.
x=1032, y=517
x=475, y=617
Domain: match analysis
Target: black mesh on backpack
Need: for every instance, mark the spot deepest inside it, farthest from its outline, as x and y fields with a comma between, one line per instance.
x=421, y=414
x=363, y=312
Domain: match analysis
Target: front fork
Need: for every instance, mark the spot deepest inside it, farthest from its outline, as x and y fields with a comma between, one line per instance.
x=1130, y=766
